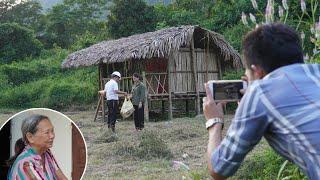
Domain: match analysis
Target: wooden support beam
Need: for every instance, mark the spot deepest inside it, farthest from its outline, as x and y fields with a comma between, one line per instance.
x=195, y=74
x=100, y=70
x=170, y=65
x=162, y=106
x=146, y=107
x=207, y=52
x=97, y=110
x=102, y=95
x=187, y=106
x=219, y=67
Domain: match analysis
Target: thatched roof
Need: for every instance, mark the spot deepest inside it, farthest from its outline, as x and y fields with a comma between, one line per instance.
x=148, y=45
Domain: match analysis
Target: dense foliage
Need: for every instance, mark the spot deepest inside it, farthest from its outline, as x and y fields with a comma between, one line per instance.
x=17, y=42
x=130, y=17
x=74, y=18
x=40, y=82
x=26, y=13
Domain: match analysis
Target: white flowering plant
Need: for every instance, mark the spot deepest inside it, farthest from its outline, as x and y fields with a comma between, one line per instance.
x=309, y=17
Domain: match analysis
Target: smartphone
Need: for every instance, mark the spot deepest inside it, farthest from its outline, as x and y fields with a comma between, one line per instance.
x=228, y=90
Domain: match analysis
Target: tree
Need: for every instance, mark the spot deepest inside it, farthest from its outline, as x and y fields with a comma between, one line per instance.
x=185, y=12
x=129, y=17
x=25, y=13
x=5, y=5
x=74, y=18
x=17, y=42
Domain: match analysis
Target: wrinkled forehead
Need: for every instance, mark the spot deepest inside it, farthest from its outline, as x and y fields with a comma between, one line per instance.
x=45, y=125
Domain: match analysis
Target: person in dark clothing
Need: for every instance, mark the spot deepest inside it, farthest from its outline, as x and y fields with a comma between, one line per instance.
x=138, y=99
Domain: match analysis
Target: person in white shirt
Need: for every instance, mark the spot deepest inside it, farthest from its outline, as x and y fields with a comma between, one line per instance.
x=112, y=94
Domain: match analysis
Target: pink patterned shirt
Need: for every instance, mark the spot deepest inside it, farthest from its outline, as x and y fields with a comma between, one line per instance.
x=28, y=165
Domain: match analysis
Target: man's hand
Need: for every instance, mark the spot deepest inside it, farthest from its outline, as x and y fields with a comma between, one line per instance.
x=210, y=108
x=140, y=105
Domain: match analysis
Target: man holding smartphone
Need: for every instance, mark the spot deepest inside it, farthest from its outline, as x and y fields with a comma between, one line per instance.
x=282, y=103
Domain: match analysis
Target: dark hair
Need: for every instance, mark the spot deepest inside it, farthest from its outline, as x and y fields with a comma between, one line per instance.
x=272, y=46
x=137, y=75
x=18, y=148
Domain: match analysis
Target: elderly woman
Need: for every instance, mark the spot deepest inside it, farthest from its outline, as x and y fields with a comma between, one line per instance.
x=138, y=98
x=36, y=161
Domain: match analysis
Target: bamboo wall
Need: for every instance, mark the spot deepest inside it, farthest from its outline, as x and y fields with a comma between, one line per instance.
x=182, y=74
x=180, y=69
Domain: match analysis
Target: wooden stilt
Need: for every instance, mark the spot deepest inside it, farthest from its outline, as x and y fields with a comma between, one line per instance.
x=170, y=63
x=219, y=68
x=100, y=69
x=162, y=106
x=206, y=51
x=97, y=110
x=195, y=74
x=187, y=106
x=146, y=107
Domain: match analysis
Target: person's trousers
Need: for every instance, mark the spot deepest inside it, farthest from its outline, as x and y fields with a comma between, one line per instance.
x=112, y=112
x=139, y=117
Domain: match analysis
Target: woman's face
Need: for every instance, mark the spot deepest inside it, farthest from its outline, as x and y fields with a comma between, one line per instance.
x=135, y=79
x=43, y=138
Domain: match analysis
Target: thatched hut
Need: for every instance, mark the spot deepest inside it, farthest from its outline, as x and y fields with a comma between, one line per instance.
x=175, y=62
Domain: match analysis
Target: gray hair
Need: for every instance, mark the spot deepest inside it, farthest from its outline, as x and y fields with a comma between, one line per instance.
x=30, y=125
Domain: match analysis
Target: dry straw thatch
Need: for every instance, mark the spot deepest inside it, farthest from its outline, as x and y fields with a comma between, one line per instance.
x=148, y=45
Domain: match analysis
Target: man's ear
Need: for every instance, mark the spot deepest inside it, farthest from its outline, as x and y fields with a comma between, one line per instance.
x=258, y=72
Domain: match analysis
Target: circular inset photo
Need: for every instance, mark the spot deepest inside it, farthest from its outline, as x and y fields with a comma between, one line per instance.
x=42, y=143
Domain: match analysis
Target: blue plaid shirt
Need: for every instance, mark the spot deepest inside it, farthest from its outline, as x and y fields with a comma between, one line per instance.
x=284, y=107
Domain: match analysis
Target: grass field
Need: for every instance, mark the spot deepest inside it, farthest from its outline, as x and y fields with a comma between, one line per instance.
x=148, y=154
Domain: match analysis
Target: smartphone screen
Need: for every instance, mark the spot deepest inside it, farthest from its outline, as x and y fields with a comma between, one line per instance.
x=226, y=89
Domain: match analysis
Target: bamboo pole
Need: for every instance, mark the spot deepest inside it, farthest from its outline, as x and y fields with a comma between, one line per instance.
x=194, y=69
x=146, y=107
x=219, y=67
x=101, y=87
x=170, y=62
x=207, y=56
x=100, y=69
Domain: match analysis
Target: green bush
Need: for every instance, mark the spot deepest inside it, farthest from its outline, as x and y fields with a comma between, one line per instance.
x=66, y=94
x=232, y=74
x=16, y=73
x=234, y=35
x=228, y=14
x=23, y=96
x=41, y=82
x=49, y=92
x=61, y=95
x=17, y=42
x=85, y=41
x=266, y=165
